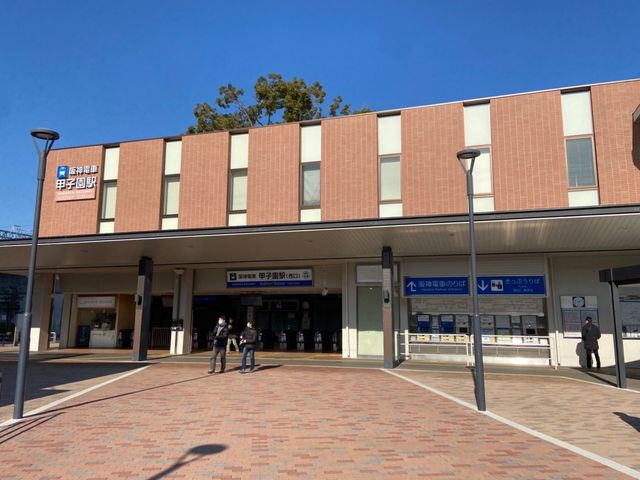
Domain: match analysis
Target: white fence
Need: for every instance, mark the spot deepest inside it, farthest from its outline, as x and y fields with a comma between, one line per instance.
x=496, y=349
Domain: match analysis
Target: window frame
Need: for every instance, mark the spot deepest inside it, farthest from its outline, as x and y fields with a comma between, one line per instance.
x=165, y=181
x=593, y=162
x=230, y=210
x=302, y=204
x=381, y=158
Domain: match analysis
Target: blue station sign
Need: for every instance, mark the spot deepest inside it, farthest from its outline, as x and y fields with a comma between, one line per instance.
x=512, y=285
x=424, y=286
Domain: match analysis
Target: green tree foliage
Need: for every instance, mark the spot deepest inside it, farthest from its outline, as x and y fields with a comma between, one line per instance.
x=276, y=100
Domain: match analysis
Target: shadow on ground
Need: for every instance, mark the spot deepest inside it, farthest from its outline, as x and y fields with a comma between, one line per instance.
x=191, y=455
x=45, y=379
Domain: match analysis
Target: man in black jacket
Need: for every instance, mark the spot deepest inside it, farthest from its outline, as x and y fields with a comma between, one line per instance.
x=248, y=340
x=220, y=334
x=590, y=336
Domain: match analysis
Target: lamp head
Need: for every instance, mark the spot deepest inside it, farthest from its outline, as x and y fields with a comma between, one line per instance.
x=468, y=154
x=467, y=159
x=45, y=134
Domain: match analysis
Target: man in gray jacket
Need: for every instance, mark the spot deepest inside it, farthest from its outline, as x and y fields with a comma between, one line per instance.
x=590, y=336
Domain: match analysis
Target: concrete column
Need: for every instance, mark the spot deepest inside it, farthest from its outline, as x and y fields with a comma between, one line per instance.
x=186, y=310
x=66, y=339
x=43, y=288
x=182, y=315
x=349, y=312
x=143, y=309
x=387, y=308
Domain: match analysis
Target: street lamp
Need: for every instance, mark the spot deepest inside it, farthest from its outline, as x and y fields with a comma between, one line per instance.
x=49, y=136
x=467, y=159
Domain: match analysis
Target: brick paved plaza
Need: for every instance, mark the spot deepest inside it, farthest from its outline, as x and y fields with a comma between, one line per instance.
x=172, y=420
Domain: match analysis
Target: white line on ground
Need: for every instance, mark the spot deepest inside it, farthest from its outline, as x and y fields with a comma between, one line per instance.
x=72, y=396
x=542, y=436
x=524, y=374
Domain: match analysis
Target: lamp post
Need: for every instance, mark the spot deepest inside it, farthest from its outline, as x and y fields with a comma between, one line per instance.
x=49, y=136
x=467, y=159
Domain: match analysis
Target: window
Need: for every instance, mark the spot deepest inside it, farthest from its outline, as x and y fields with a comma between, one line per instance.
x=109, y=190
x=311, y=184
x=171, y=190
x=580, y=162
x=238, y=196
x=477, y=135
x=482, y=183
x=390, y=189
x=310, y=160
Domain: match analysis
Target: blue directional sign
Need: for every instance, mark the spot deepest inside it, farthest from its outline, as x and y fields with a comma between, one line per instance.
x=422, y=286
x=511, y=285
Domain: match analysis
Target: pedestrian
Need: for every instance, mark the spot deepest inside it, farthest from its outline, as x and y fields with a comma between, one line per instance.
x=219, y=346
x=590, y=336
x=248, y=340
x=233, y=335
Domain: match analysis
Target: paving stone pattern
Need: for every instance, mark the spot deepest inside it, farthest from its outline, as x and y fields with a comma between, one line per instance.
x=583, y=414
x=174, y=421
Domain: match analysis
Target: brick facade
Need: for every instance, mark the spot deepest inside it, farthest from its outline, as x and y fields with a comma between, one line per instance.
x=528, y=160
x=273, y=183
x=140, y=172
x=433, y=182
x=528, y=153
x=349, y=171
x=618, y=166
x=203, y=180
x=78, y=217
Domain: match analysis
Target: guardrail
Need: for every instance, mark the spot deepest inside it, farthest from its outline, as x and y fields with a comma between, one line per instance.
x=497, y=349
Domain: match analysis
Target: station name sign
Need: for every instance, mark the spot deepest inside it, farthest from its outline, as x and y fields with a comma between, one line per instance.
x=508, y=285
x=301, y=277
x=76, y=183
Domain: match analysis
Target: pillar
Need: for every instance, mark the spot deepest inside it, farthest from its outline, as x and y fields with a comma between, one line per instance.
x=143, y=309
x=387, y=308
x=41, y=312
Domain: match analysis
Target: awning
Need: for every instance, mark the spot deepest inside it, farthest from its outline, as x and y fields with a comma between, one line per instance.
x=568, y=230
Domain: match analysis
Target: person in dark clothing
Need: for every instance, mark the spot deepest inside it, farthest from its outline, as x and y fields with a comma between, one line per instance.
x=233, y=335
x=590, y=336
x=248, y=340
x=219, y=346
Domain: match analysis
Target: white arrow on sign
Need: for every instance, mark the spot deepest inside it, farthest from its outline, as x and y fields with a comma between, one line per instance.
x=483, y=286
x=412, y=286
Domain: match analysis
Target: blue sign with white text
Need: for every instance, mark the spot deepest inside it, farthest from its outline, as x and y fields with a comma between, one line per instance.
x=421, y=286
x=512, y=285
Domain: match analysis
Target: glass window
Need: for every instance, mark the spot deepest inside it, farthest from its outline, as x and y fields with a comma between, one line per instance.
x=172, y=157
x=109, y=191
x=482, y=173
x=311, y=143
x=171, y=195
x=111, y=160
x=580, y=163
x=311, y=184
x=238, y=190
x=390, y=179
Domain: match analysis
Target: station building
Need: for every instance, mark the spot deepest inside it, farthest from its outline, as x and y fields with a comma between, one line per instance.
x=148, y=241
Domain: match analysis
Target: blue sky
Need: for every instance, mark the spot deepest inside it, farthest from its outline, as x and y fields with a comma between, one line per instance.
x=116, y=70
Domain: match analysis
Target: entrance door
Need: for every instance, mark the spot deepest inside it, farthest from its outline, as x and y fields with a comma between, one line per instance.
x=370, y=336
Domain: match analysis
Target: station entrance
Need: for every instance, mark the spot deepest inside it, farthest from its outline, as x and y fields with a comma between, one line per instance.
x=284, y=322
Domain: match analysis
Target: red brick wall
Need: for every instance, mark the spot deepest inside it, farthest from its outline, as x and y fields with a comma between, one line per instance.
x=618, y=176
x=204, y=173
x=273, y=184
x=349, y=171
x=140, y=172
x=528, y=153
x=77, y=217
x=433, y=182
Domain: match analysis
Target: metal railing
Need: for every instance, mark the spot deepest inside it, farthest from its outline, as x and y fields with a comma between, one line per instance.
x=160, y=337
x=497, y=349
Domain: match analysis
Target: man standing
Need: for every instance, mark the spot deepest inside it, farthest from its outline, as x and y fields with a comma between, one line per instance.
x=232, y=334
x=219, y=346
x=248, y=340
x=590, y=336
